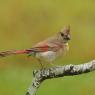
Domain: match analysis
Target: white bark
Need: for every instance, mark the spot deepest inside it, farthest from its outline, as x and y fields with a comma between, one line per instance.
x=59, y=71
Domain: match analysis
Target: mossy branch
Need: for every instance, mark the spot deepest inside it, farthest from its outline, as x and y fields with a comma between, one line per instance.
x=56, y=72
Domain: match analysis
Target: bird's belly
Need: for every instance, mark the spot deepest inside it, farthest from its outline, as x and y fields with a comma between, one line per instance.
x=47, y=56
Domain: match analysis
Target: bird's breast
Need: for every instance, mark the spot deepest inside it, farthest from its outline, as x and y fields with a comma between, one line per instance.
x=63, y=50
x=48, y=55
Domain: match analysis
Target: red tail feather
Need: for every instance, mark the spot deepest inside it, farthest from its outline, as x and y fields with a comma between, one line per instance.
x=21, y=51
x=6, y=53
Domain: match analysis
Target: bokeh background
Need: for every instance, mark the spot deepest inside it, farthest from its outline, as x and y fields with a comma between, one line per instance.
x=26, y=22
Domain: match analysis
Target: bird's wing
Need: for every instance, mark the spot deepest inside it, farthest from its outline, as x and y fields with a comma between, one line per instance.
x=45, y=46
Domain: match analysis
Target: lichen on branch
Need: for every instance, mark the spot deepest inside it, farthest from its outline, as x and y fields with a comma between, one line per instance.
x=56, y=72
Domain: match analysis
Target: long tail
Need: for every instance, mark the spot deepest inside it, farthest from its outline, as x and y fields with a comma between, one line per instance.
x=7, y=53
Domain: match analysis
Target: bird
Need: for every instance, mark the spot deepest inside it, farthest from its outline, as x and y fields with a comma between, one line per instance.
x=47, y=50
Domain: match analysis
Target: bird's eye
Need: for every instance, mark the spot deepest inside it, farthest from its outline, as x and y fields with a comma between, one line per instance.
x=62, y=34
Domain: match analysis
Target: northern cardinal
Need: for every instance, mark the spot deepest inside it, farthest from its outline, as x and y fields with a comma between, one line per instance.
x=47, y=50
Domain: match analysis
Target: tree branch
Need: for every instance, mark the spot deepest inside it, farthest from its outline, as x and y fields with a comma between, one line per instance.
x=59, y=71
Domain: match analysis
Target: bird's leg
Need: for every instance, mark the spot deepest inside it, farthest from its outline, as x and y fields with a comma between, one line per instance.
x=53, y=64
x=41, y=64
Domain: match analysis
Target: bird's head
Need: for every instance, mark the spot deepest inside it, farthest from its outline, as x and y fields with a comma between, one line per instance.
x=64, y=33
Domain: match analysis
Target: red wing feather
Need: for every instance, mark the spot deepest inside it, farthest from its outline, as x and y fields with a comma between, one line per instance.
x=41, y=48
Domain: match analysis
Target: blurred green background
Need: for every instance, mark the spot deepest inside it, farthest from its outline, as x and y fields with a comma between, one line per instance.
x=26, y=22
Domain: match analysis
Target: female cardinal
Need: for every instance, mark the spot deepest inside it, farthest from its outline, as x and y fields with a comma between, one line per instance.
x=47, y=50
